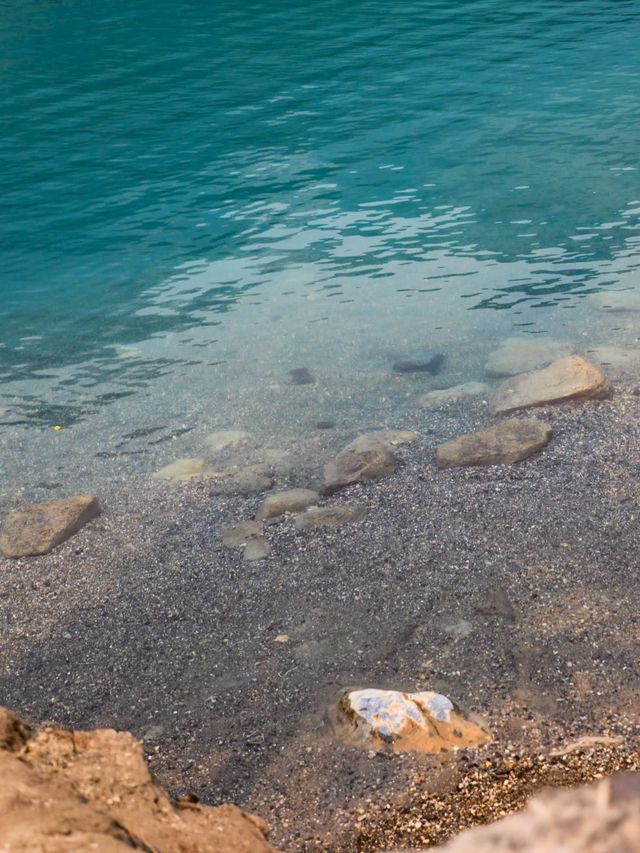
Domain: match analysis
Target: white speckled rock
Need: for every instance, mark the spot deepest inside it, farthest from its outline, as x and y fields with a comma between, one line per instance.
x=409, y=722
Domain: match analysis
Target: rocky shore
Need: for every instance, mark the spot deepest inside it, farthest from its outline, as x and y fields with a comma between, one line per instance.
x=222, y=610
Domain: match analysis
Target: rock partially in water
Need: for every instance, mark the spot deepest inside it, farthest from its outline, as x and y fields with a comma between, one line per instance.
x=293, y=500
x=65, y=791
x=432, y=365
x=237, y=535
x=567, y=379
x=368, y=457
x=182, y=470
x=328, y=516
x=519, y=355
x=616, y=301
x=301, y=376
x=506, y=442
x=388, y=720
x=240, y=481
x=222, y=439
x=39, y=528
x=442, y=396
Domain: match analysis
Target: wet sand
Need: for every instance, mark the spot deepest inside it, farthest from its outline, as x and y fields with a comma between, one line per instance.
x=513, y=590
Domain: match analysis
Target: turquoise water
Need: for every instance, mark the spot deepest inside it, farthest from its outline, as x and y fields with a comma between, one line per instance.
x=198, y=197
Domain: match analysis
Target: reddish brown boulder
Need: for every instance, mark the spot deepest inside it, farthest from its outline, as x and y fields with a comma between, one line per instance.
x=39, y=528
x=67, y=791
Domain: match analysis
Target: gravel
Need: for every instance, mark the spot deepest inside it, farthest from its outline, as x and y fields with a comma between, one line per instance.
x=512, y=589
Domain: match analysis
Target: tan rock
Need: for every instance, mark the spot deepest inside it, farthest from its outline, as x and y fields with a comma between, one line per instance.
x=68, y=791
x=442, y=396
x=615, y=301
x=503, y=443
x=567, y=379
x=221, y=439
x=327, y=516
x=293, y=500
x=41, y=527
x=388, y=720
x=519, y=355
x=182, y=469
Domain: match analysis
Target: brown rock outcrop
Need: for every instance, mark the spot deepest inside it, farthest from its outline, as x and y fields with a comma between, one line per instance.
x=67, y=791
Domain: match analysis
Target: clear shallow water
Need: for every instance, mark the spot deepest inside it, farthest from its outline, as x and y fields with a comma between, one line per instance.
x=198, y=198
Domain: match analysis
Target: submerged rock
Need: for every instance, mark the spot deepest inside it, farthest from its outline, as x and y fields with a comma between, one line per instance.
x=182, y=469
x=292, y=500
x=616, y=300
x=327, y=516
x=388, y=720
x=301, y=376
x=617, y=360
x=38, y=529
x=518, y=355
x=257, y=548
x=240, y=481
x=368, y=457
x=80, y=791
x=432, y=365
x=237, y=535
x=248, y=536
x=222, y=439
x=506, y=442
x=442, y=396
x=359, y=462
x=566, y=379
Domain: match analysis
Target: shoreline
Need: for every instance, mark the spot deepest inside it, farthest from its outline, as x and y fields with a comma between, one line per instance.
x=510, y=589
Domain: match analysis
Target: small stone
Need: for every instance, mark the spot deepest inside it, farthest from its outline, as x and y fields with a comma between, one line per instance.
x=442, y=396
x=432, y=365
x=238, y=535
x=616, y=301
x=325, y=424
x=257, y=548
x=409, y=722
x=282, y=638
x=292, y=500
x=301, y=376
x=518, y=355
x=506, y=442
x=221, y=439
x=182, y=470
x=567, y=379
x=327, y=516
x=38, y=529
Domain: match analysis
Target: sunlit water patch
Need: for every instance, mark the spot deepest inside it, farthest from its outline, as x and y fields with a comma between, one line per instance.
x=195, y=207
